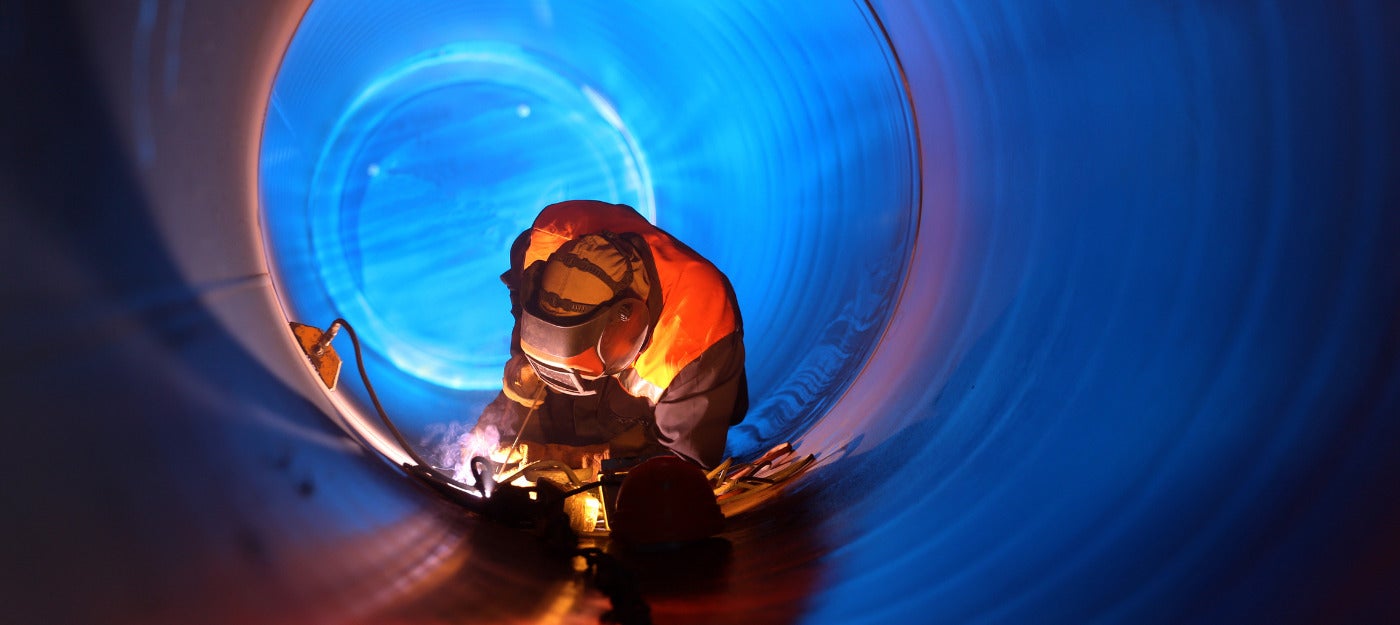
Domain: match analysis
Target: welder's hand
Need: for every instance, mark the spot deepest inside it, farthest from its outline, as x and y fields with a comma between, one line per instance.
x=520, y=383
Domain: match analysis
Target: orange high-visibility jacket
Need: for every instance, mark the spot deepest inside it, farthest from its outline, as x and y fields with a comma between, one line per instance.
x=691, y=372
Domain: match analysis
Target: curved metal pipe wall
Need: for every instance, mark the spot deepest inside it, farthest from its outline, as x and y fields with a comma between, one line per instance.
x=403, y=151
x=1143, y=368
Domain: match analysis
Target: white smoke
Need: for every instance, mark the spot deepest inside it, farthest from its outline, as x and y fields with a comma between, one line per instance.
x=453, y=445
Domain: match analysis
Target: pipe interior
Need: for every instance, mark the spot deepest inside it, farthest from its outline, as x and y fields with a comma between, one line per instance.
x=404, y=150
x=1087, y=311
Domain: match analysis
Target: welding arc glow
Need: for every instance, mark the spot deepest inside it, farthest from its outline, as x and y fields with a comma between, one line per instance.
x=405, y=150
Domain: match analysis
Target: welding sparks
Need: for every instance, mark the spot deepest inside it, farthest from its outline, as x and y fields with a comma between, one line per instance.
x=455, y=444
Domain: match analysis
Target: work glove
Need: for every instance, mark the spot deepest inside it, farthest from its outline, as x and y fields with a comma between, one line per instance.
x=520, y=383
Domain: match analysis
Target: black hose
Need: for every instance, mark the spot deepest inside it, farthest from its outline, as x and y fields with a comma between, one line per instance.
x=435, y=478
x=421, y=469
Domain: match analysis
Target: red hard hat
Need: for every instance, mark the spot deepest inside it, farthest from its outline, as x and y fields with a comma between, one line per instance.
x=666, y=500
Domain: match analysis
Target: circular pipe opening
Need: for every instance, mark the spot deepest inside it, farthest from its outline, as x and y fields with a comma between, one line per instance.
x=404, y=150
x=1152, y=377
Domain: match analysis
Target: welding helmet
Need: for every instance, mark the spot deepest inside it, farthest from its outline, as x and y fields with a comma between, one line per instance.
x=582, y=318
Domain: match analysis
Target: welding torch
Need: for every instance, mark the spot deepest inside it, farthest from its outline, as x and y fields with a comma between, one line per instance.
x=502, y=500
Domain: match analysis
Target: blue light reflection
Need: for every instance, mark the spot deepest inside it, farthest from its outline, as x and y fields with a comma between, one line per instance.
x=406, y=147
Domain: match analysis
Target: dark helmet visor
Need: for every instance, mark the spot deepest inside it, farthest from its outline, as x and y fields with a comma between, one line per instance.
x=564, y=351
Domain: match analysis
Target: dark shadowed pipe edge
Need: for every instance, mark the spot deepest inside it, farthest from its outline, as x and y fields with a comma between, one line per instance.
x=1143, y=369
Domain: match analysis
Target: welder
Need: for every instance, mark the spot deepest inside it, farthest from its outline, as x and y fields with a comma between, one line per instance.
x=625, y=340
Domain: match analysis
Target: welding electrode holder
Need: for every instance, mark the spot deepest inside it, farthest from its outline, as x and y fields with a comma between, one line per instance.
x=324, y=360
x=539, y=507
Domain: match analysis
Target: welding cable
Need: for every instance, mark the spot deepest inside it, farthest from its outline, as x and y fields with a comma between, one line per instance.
x=426, y=471
x=423, y=470
x=479, y=463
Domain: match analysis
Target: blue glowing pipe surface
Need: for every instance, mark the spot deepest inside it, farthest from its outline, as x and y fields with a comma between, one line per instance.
x=405, y=149
x=1089, y=311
